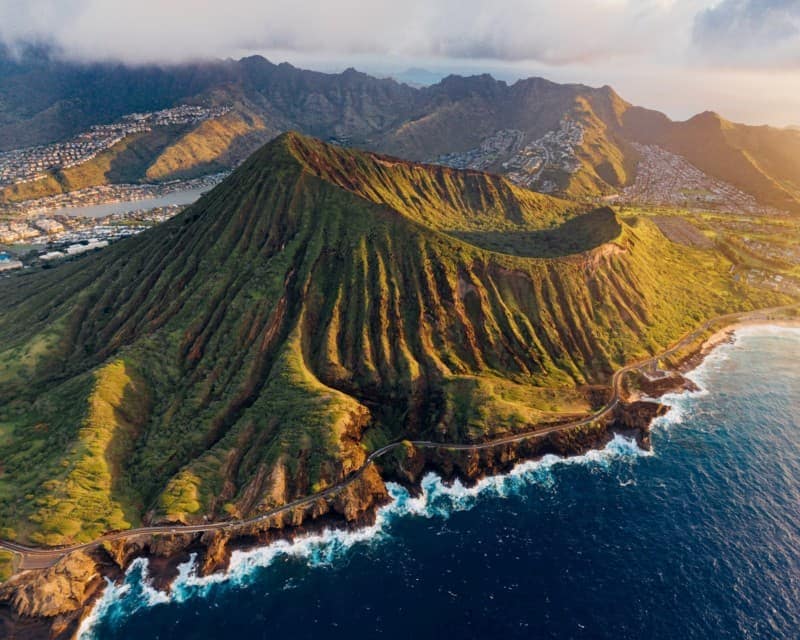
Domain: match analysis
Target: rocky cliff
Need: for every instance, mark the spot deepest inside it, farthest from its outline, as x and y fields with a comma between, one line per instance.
x=52, y=602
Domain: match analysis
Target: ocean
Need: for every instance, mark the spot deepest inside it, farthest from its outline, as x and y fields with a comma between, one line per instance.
x=699, y=538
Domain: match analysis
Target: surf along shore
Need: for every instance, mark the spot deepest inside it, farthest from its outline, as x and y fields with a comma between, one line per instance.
x=54, y=590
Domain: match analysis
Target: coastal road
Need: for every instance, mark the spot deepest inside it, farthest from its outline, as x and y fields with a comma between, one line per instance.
x=42, y=557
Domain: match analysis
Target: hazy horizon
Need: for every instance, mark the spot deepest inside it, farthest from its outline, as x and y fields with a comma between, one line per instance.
x=740, y=58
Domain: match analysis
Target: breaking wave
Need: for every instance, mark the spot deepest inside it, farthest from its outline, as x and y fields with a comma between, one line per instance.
x=708, y=497
x=436, y=499
x=682, y=402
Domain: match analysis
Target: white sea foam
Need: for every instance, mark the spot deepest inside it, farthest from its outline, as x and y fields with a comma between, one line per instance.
x=761, y=330
x=681, y=403
x=435, y=500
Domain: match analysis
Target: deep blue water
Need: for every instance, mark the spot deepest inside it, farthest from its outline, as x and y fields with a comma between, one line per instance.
x=700, y=539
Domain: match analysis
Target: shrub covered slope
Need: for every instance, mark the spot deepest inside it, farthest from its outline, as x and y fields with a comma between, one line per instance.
x=318, y=303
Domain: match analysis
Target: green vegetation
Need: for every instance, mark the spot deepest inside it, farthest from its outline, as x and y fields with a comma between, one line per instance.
x=764, y=250
x=6, y=565
x=606, y=163
x=93, y=497
x=127, y=161
x=318, y=303
x=207, y=148
x=577, y=235
x=437, y=197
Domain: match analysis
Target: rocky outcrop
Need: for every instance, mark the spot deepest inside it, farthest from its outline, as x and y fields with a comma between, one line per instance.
x=54, y=591
x=49, y=602
x=407, y=464
x=217, y=552
x=360, y=498
x=635, y=418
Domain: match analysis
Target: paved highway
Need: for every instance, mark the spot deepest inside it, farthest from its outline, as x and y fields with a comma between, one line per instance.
x=41, y=557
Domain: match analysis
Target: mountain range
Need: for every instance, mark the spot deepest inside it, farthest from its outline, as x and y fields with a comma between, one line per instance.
x=571, y=140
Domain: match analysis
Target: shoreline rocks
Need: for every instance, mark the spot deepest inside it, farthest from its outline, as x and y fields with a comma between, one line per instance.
x=52, y=602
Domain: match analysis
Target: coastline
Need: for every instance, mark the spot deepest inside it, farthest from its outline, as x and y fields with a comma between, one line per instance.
x=726, y=335
x=212, y=551
x=434, y=499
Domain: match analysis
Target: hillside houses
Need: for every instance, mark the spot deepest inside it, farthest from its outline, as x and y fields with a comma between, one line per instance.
x=25, y=165
x=666, y=179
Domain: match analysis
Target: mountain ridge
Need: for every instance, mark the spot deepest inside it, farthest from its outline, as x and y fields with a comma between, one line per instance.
x=590, y=150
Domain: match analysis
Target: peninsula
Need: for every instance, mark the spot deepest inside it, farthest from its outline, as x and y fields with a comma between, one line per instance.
x=323, y=321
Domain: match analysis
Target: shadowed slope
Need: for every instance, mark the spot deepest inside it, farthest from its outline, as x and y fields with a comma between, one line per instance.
x=577, y=235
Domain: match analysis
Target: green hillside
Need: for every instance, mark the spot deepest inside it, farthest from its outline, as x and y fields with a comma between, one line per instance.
x=213, y=145
x=317, y=304
x=125, y=162
x=465, y=112
x=164, y=153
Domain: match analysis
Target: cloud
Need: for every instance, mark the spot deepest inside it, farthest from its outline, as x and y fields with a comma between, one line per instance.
x=683, y=55
x=509, y=30
x=749, y=33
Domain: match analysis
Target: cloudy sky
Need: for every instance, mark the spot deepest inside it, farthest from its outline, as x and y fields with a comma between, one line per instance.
x=738, y=57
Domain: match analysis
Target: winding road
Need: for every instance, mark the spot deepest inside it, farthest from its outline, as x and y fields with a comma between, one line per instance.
x=42, y=557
